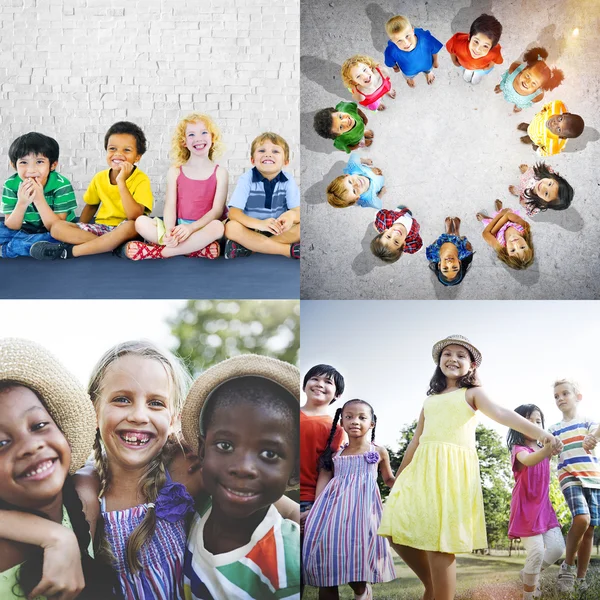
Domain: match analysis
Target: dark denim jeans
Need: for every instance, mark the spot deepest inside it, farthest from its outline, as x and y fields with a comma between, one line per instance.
x=17, y=243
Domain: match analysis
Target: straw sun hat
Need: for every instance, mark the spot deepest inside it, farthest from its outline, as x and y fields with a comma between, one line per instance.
x=34, y=367
x=282, y=373
x=460, y=340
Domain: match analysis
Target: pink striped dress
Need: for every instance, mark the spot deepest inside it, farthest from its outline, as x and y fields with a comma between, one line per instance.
x=340, y=535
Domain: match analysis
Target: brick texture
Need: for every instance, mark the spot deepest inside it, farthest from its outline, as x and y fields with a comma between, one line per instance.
x=71, y=68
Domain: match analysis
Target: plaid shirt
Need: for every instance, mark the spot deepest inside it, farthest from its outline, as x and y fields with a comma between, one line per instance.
x=385, y=218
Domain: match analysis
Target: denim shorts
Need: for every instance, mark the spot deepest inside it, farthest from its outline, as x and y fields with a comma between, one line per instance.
x=584, y=501
x=16, y=242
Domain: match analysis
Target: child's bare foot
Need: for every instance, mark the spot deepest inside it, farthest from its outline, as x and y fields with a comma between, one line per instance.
x=481, y=216
x=516, y=109
x=448, y=223
x=368, y=143
x=381, y=106
x=497, y=89
x=392, y=93
x=525, y=139
x=411, y=82
x=369, y=135
x=498, y=205
x=430, y=78
x=522, y=126
x=533, y=145
x=396, y=69
x=513, y=190
x=456, y=226
x=377, y=171
x=382, y=191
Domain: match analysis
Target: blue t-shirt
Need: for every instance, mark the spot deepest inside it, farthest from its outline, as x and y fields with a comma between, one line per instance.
x=369, y=198
x=419, y=59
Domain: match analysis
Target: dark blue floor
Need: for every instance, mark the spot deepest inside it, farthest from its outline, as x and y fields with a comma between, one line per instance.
x=106, y=276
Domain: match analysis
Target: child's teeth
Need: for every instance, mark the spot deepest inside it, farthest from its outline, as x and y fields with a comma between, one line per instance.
x=44, y=467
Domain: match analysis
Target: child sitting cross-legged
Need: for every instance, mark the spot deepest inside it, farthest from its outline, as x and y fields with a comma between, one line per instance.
x=362, y=185
x=35, y=196
x=398, y=233
x=115, y=197
x=264, y=210
x=243, y=417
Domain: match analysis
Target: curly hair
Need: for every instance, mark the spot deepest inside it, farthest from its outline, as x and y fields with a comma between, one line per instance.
x=352, y=62
x=573, y=126
x=128, y=128
x=515, y=262
x=565, y=191
x=179, y=153
x=551, y=77
x=323, y=122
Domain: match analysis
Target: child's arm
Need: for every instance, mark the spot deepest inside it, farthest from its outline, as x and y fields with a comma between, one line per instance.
x=362, y=115
x=62, y=572
x=384, y=466
x=25, y=196
x=356, y=95
x=324, y=478
x=88, y=212
x=366, y=161
x=414, y=443
x=48, y=216
x=170, y=211
x=479, y=400
x=289, y=218
x=510, y=216
x=132, y=209
x=288, y=509
x=454, y=60
x=530, y=459
x=271, y=225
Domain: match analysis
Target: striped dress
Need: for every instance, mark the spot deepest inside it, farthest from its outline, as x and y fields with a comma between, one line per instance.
x=161, y=575
x=340, y=535
x=575, y=465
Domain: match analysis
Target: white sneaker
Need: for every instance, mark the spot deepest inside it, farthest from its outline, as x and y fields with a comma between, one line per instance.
x=566, y=579
x=582, y=585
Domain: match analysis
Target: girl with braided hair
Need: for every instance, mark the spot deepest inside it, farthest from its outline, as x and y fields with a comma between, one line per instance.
x=341, y=544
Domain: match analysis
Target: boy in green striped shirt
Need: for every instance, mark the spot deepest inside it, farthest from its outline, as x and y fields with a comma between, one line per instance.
x=35, y=197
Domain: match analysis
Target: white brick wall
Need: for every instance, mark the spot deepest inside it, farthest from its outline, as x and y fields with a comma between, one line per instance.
x=71, y=68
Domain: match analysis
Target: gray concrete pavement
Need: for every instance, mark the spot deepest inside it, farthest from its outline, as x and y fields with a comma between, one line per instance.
x=450, y=149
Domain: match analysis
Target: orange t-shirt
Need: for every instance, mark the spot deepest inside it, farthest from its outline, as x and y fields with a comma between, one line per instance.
x=314, y=433
x=458, y=44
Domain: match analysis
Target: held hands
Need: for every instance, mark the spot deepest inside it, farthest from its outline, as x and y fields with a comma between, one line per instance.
x=589, y=442
x=182, y=232
x=124, y=172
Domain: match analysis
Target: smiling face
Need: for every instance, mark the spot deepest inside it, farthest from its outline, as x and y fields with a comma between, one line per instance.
x=120, y=148
x=394, y=237
x=516, y=244
x=269, y=159
x=357, y=419
x=34, y=166
x=34, y=454
x=529, y=80
x=248, y=457
x=341, y=123
x=406, y=40
x=134, y=410
x=449, y=264
x=361, y=74
x=480, y=45
x=198, y=140
x=455, y=362
x=320, y=390
x=566, y=399
x=354, y=187
x=546, y=189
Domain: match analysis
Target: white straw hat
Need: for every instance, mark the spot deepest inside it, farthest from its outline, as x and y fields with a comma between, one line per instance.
x=461, y=340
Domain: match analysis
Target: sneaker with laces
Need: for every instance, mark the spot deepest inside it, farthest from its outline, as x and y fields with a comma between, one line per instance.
x=50, y=251
x=235, y=250
x=566, y=579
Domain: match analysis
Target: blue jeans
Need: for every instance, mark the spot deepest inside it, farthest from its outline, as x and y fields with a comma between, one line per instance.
x=17, y=243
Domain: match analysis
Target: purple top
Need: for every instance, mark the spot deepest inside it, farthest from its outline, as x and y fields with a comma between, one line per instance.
x=531, y=512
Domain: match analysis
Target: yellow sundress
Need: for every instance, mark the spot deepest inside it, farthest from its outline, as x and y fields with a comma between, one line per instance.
x=436, y=503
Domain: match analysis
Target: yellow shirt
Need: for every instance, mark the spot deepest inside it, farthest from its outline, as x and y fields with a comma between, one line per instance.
x=102, y=191
x=540, y=135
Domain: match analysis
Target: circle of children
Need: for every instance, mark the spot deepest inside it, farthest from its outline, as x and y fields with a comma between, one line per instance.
x=181, y=497
x=262, y=215
x=411, y=51
x=435, y=506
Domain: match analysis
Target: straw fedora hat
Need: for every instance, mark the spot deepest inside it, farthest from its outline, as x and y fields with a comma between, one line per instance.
x=461, y=340
x=282, y=373
x=31, y=365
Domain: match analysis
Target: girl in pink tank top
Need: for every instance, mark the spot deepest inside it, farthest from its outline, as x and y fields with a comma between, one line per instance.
x=367, y=81
x=196, y=195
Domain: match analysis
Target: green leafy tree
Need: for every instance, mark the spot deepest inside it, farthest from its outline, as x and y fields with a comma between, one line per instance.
x=209, y=331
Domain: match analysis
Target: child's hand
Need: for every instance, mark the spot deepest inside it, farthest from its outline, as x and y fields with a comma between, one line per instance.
x=435, y=62
x=369, y=135
x=377, y=170
x=381, y=192
x=182, y=232
x=396, y=69
x=38, y=190
x=557, y=446
x=62, y=575
x=523, y=168
x=286, y=221
x=26, y=192
x=271, y=225
x=366, y=161
x=517, y=109
x=124, y=172
x=170, y=241
x=589, y=443
x=497, y=89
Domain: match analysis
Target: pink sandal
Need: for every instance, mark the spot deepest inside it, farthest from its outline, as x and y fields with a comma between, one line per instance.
x=145, y=251
x=212, y=251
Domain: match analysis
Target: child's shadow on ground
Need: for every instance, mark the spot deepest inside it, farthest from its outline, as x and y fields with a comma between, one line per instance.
x=309, y=137
x=568, y=219
x=528, y=277
x=324, y=72
x=554, y=45
x=465, y=16
x=365, y=262
x=315, y=194
x=578, y=144
x=444, y=292
x=378, y=18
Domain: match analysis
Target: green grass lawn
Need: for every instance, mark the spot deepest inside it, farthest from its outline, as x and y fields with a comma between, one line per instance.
x=479, y=578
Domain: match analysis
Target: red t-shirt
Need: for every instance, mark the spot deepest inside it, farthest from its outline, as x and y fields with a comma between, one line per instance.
x=314, y=433
x=458, y=44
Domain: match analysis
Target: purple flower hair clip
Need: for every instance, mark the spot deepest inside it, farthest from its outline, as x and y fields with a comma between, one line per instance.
x=173, y=502
x=372, y=457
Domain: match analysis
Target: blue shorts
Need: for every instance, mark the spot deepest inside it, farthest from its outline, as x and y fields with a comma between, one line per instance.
x=584, y=501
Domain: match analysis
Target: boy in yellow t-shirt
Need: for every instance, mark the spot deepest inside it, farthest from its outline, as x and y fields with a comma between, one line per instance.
x=116, y=197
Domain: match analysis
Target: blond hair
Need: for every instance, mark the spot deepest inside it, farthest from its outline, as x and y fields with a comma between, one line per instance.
x=574, y=385
x=397, y=24
x=337, y=193
x=351, y=63
x=155, y=476
x=274, y=138
x=179, y=153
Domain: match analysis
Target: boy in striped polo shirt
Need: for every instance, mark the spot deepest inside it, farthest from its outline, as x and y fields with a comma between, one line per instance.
x=34, y=197
x=579, y=478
